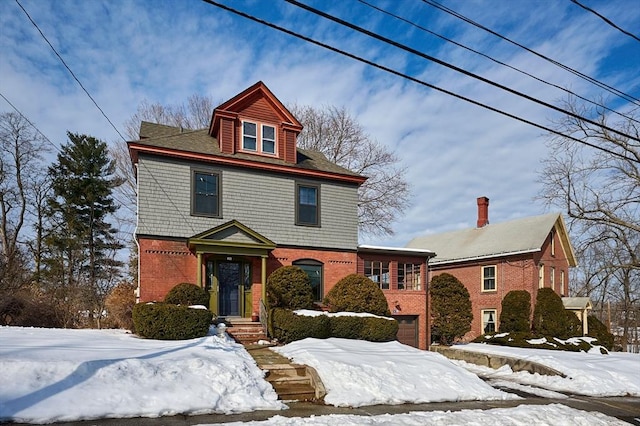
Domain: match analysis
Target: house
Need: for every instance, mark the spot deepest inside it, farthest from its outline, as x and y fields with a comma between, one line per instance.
x=224, y=207
x=493, y=259
x=581, y=307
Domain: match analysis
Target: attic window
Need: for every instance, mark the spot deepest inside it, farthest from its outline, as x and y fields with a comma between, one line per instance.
x=258, y=138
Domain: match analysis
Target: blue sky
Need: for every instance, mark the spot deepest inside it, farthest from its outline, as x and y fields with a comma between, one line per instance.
x=125, y=52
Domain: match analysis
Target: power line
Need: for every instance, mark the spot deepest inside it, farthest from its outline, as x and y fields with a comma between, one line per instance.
x=453, y=67
x=493, y=59
x=605, y=19
x=71, y=72
x=592, y=80
x=29, y=121
x=413, y=79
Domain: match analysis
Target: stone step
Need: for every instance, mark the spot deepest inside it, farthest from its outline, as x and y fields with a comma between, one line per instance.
x=294, y=391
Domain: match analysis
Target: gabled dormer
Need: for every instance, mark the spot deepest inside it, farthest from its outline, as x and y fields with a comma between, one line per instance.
x=256, y=122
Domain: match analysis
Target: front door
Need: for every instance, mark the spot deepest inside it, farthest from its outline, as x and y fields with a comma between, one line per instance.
x=230, y=281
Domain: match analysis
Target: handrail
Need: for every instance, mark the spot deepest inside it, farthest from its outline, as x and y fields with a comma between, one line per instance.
x=264, y=317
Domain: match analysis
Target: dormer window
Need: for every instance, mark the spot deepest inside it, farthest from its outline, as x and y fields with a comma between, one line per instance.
x=258, y=138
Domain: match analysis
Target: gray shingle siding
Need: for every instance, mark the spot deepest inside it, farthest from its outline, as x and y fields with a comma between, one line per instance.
x=262, y=201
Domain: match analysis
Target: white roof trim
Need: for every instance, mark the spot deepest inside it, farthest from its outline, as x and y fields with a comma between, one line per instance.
x=400, y=250
x=487, y=256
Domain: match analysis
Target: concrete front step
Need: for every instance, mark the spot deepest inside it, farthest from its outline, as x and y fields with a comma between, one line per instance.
x=245, y=331
x=294, y=391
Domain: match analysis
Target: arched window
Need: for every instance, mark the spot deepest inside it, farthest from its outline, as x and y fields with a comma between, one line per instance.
x=313, y=268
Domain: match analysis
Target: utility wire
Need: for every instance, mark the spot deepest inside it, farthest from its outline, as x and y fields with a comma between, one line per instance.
x=494, y=60
x=592, y=80
x=413, y=79
x=453, y=67
x=69, y=69
x=29, y=121
x=605, y=19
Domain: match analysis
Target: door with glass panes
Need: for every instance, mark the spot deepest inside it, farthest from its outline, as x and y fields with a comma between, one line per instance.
x=229, y=283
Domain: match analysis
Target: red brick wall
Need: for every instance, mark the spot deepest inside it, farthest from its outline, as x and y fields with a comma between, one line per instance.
x=163, y=264
x=404, y=302
x=519, y=272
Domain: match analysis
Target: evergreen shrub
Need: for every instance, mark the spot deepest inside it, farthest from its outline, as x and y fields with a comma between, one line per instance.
x=550, y=318
x=522, y=340
x=165, y=321
x=450, y=309
x=357, y=293
x=378, y=329
x=600, y=331
x=288, y=327
x=187, y=294
x=515, y=315
x=289, y=287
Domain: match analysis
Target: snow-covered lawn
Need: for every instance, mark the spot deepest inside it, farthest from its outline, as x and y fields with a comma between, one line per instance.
x=592, y=374
x=63, y=375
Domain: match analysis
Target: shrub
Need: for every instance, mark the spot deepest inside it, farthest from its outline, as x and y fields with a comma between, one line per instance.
x=357, y=293
x=187, y=294
x=550, y=318
x=119, y=304
x=288, y=327
x=29, y=308
x=521, y=340
x=516, y=312
x=450, y=309
x=164, y=321
x=600, y=331
x=289, y=287
x=379, y=329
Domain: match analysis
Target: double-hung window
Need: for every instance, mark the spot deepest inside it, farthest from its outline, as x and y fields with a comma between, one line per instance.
x=488, y=278
x=307, y=204
x=378, y=272
x=205, y=193
x=489, y=321
x=408, y=276
x=259, y=138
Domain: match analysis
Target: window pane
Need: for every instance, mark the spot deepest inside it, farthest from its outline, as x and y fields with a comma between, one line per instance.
x=489, y=321
x=269, y=132
x=205, y=194
x=269, y=147
x=249, y=129
x=307, y=205
x=314, y=272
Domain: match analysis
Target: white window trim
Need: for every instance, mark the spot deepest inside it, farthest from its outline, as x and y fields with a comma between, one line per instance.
x=562, y=279
x=495, y=279
x=260, y=139
x=552, y=278
x=495, y=319
x=541, y=276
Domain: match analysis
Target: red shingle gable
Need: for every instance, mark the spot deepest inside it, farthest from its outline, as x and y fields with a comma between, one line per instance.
x=257, y=104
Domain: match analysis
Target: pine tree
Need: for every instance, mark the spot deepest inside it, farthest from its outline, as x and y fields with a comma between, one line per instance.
x=450, y=309
x=82, y=241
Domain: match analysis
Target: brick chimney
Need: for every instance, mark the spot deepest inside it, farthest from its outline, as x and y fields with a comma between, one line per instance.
x=483, y=212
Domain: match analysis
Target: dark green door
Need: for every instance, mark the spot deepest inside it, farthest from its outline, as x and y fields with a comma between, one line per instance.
x=229, y=278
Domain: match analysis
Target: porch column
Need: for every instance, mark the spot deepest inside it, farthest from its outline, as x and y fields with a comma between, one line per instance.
x=263, y=279
x=199, y=273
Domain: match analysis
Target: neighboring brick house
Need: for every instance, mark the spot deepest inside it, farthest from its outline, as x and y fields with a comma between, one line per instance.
x=224, y=207
x=491, y=260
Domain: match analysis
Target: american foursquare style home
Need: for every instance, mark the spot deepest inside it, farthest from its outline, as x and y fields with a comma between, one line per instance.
x=224, y=207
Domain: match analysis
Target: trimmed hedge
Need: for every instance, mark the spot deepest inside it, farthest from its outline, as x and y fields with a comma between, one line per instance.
x=165, y=321
x=516, y=312
x=187, y=294
x=287, y=327
x=519, y=340
x=289, y=287
x=357, y=293
x=450, y=309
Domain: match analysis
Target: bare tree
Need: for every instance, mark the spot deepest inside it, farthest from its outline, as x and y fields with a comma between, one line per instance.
x=335, y=133
x=600, y=191
x=20, y=161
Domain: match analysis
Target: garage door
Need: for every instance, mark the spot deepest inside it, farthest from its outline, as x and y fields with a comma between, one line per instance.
x=408, y=330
